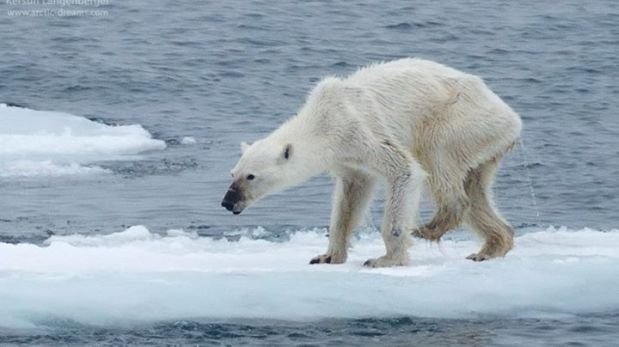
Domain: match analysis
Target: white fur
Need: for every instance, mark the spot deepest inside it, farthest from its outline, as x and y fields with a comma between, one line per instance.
x=401, y=121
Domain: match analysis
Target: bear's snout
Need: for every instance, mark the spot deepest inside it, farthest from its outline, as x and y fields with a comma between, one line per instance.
x=231, y=200
x=227, y=204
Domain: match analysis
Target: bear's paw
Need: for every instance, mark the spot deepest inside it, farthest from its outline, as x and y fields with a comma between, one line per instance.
x=328, y=259
x=428, y=233
x=479, y=257
x=386, y=261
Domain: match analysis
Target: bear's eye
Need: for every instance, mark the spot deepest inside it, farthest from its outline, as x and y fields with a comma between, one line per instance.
x=250, y=177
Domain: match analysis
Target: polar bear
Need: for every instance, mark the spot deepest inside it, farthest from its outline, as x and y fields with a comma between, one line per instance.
x=409, y=122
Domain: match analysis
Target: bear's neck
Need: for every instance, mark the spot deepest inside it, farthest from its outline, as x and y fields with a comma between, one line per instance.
x=308, y=145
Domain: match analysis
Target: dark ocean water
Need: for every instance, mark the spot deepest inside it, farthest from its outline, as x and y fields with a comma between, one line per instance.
x=597, y=330
x=226, y=72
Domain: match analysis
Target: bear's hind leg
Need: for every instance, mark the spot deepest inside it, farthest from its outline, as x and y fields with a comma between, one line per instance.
x=482, y=216
x=353, y=192
x=451, y=200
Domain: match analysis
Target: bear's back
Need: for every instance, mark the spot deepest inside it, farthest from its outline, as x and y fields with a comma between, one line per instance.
x=406, y=68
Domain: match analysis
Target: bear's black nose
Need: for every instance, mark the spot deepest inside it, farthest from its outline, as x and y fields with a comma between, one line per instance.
x=227, y=204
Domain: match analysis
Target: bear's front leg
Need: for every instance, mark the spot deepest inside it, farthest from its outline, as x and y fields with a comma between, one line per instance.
x=404, y=194
x=353, y=191
x=397, y=243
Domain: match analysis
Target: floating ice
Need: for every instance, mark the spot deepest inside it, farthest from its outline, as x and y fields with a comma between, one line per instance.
x=45, y=143
x=29, y=168
x=137, y=276
x=188, y=140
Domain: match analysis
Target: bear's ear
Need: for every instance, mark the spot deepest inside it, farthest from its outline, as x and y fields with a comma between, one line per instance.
x=244, y=147
x=287, y=152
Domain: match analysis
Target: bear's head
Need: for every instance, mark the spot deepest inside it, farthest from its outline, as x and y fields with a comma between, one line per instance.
x=265, y=167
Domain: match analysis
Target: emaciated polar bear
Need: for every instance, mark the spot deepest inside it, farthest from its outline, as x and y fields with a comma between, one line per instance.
x=408, y=122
